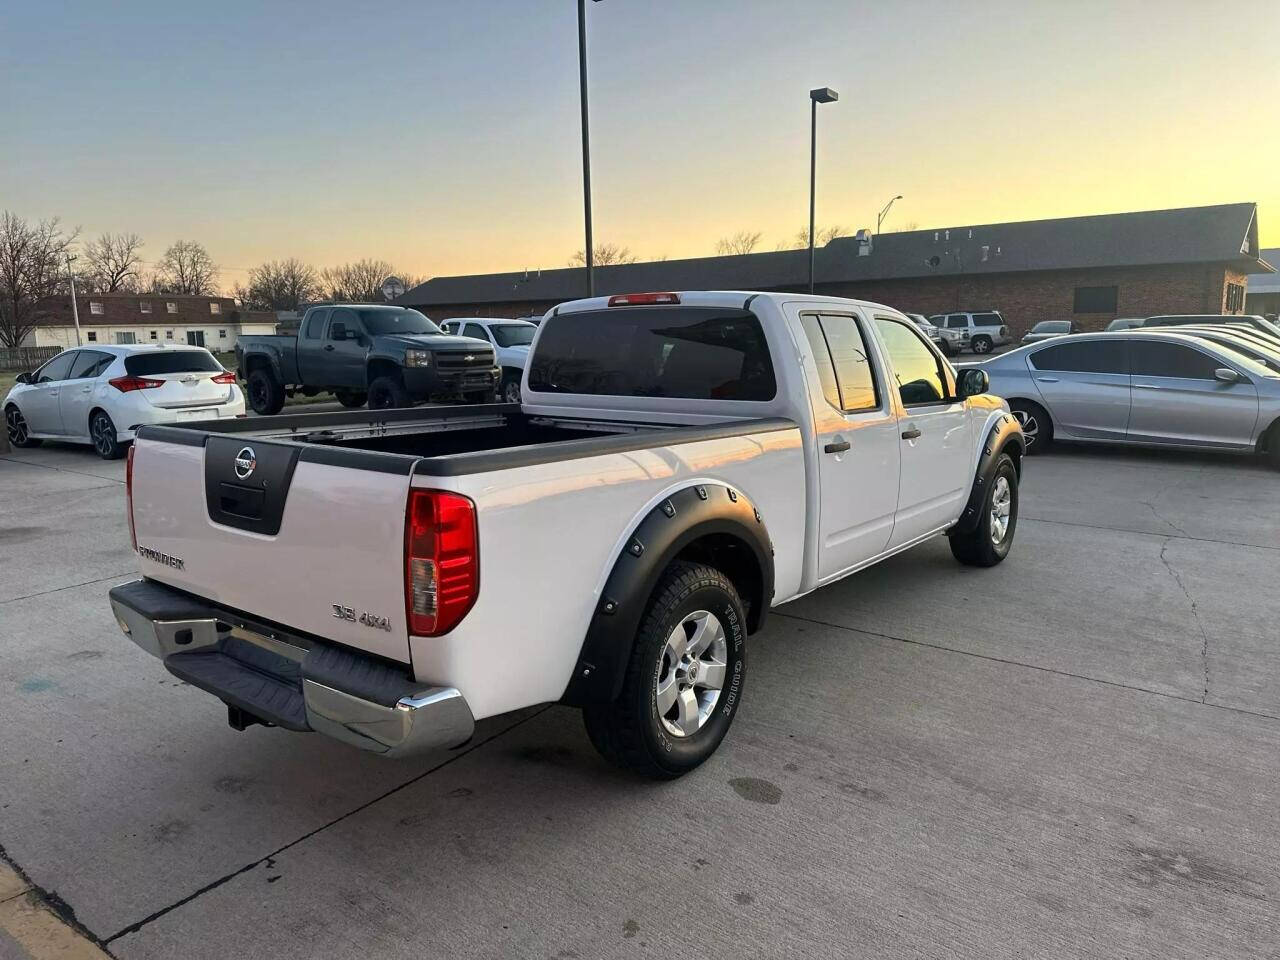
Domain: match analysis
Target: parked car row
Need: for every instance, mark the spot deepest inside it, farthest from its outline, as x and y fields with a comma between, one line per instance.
x=1195, y=385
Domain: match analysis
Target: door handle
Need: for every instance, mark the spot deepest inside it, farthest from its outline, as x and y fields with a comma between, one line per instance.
x=328, y=346
x=1149, y=386
x=910, y=433
x=1047, y=379
x=838, y=446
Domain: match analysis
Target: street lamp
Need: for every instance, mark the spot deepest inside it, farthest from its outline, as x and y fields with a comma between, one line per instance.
x=884, y=213
x=821, y=95
x=75, y=310
x=586, y=144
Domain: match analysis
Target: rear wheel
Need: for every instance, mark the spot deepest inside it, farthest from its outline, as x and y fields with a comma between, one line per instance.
x=19, y=432
x=387, y=393
x=684, y=679
x=1037, y=426
x=981, y=344
x=266, y=393
x=989, y=542
x=103, y=433
x=351, y=398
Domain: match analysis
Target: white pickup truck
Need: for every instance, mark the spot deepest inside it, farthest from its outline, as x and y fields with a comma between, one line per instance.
x=681, y=463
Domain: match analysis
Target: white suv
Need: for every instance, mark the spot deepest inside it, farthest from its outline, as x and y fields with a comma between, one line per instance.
x=102, y=394
x=980, y=332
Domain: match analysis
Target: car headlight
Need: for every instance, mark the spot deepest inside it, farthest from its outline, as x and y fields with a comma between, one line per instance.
x=417, y=358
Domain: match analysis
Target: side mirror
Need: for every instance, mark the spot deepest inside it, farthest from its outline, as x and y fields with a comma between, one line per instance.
x=1226, y=375
x=22, y=378
x=972, y=381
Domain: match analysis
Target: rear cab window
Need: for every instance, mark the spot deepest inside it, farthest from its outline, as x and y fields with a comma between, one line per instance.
x=844, y=365
x=171, y=361
x=685, y=352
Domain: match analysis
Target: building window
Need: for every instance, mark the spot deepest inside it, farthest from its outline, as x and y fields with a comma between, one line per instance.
x=222, y=334
x=171, y=307
x=215, y=308
x=1096, y=300
x=1235, y=297
x=95, y=307
x=168, y=334
x=93, y=336
x=154, y=334
x=125, y=336
x=144, y=306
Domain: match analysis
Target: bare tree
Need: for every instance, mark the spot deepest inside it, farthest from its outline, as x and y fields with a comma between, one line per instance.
x=801, y=240
x=604, y=255
x=113, y=263
x=361, y=281
x=280, y=285
x=744, y=241
x=186, y=267
x=32, y=260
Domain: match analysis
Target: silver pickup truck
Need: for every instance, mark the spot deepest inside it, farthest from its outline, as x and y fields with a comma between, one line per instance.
x=681, y=463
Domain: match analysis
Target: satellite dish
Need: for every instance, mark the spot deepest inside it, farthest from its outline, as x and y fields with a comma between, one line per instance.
x=392, y=287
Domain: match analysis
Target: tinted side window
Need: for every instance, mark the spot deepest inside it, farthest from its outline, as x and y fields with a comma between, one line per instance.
x=694, y=353
x=1093, y=356
x=57, y=368
x=844, y=367
x=347, y=318
x=957, y=321
x=315, y=324
x=917, y=369
x=474, y=330
x=987, y=319
x=1156, y=359
x=90, y=363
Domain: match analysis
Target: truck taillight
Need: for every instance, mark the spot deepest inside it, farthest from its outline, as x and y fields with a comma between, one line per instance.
x=128, y=496
x=125, y=384
x=441, y=561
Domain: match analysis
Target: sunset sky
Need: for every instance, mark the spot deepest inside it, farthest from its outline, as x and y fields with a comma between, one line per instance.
x=444, y=136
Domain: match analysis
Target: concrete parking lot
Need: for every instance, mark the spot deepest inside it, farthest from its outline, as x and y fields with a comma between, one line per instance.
x=1071, y=755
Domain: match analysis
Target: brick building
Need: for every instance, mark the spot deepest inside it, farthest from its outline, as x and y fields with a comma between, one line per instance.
x=1264, y=292
x=213, y=322
x=1087, y=269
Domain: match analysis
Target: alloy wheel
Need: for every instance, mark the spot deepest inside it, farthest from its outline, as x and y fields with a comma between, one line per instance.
x=511, y=392
x=103, y=436
x=17, y=424
x=1001, y=507
x=692, y=673
x=1030, y=426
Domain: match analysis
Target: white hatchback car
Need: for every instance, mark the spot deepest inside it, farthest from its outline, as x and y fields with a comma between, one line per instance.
x=102, y=394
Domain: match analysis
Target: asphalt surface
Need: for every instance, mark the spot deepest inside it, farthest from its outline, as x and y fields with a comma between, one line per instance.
x=1071, y=755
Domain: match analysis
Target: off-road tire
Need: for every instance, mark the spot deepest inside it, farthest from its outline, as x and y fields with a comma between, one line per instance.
x=628, y=731
x=266, y=393
x=387, y=393
x=977, y=548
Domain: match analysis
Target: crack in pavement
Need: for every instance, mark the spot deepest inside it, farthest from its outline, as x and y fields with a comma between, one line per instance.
x=70, y=586
x=1195, y=614
x=266, y=858
x=1161, y=517
x=78, y=473
x=1024, y=518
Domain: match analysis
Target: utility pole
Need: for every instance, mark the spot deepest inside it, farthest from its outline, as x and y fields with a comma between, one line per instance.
x=586, y=145
x=75, y=310
x=821, y=95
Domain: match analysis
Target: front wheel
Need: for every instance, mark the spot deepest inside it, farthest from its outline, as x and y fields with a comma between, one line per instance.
x=945, y=347
x=105, y=441
x=989, y=542
x=388, y=393
x=511, y=388
x=684, y=680
x=981, y=344
x=19, y=432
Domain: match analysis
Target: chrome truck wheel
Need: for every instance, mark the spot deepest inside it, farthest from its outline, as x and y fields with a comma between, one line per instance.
x=692, y=673
x=1001, y=504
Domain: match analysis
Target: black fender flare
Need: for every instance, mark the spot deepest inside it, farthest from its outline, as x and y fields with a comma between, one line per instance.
x=254, y=357
x=1004, y=435
x=699, y=510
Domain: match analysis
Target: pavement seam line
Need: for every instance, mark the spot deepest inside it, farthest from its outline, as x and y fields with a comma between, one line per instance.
x=1147, y=533
x=1033, y=666
x=1195, y=615
x=70, y=586
x=135, y=927
x=60, y=913
x=78, y=473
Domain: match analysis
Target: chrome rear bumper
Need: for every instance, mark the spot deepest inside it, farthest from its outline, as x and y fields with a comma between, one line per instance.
x=293, y=682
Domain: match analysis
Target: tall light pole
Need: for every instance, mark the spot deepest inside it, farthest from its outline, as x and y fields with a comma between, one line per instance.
x=586, y=145
x=884, y=213
x=75, y=310
x=821, y=95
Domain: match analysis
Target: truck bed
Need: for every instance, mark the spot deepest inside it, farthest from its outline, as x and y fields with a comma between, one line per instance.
x=456, y=440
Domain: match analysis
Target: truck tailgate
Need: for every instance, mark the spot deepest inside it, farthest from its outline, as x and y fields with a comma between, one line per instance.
x=276, y=532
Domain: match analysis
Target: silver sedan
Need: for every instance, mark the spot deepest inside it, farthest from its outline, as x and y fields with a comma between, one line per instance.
x=1148, y=387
